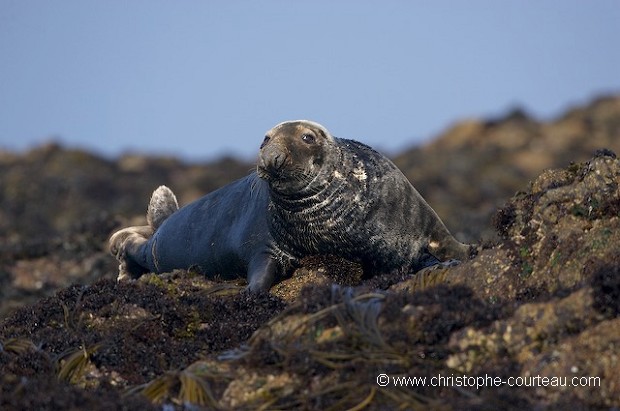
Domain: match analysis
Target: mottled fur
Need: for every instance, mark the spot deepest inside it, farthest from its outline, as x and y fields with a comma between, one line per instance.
x=316, y=194
x=338, y=196
x=162, y=205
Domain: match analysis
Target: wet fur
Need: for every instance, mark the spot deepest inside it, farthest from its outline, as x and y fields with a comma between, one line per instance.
x=312, y=194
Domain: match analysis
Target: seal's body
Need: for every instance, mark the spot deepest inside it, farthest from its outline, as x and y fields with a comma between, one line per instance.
x=224, y=234
x=339, y=196
x=316, y=194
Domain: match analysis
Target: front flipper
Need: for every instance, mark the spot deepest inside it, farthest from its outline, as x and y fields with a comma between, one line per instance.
x=262, y=272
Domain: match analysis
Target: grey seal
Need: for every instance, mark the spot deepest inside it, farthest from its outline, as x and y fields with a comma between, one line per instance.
x=311, y=194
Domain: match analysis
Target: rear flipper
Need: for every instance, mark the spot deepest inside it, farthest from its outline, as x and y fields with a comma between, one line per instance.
x=127, y=244
x=162, y=205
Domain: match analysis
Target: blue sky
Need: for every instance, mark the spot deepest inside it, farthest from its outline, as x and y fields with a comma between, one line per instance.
x=199, y=79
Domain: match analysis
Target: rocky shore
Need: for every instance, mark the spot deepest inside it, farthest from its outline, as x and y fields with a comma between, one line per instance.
x=532, y=322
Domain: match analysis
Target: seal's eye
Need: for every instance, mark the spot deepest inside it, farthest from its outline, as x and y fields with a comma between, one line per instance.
x=307, y=138
x=265, y=141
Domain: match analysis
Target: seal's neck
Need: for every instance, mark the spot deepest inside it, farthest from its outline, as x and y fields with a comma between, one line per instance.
x=320, y=217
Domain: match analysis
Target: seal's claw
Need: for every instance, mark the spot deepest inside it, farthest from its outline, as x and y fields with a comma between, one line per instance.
x=450, y=263
x=123, y=275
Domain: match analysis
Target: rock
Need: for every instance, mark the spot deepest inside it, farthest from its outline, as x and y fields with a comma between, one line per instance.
x=538, y=306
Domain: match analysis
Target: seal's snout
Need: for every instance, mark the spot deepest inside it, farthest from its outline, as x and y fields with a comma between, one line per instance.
x=273, y=159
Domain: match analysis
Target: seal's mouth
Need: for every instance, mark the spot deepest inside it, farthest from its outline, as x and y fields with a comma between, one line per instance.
x=274, y=176
x=266, y=174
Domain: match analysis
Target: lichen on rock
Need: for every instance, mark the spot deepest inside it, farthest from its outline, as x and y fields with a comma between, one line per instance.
x=541, y=298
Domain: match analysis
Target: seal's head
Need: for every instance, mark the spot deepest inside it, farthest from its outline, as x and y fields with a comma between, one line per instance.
x=293, y=154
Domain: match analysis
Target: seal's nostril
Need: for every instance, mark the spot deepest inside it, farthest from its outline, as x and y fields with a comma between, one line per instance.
x=272, y=158
x=278, y=161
